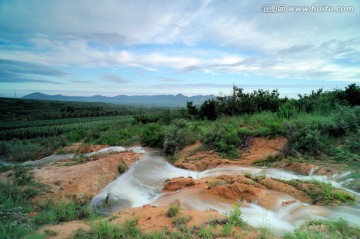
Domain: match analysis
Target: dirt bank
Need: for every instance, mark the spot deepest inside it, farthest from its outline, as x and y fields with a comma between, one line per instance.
x=83, y=181
x=238, y=188
x=193, y=158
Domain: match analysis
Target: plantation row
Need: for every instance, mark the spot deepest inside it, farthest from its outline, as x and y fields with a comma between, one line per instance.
x=24, y=124
x=53, y=130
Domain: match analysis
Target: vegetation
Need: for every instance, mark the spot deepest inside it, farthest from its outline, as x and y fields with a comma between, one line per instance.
x=15, y=111
x=173, y=210
x=320, y=125
x=327, y=194
x=315, y=124
x=323, y=193
x=336, y=229
x=16, y=207
x=235, y=216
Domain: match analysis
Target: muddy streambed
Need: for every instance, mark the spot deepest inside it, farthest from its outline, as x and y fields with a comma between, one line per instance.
x=143, y=184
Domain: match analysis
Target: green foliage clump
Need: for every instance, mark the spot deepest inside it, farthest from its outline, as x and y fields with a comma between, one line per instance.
x=23, y=176
x=307, y=140
x=153, y=135
x=177, y=136
x=269, y=162
x=25, y=150
x=336, y=229
x=105, y=229
x=14, y=212
x=235, y=216
x=173, y=210
x=122, y=168
x=224, y=138
x=76, y=135
x=326, y=194
x=208, y=110
x=50, y=213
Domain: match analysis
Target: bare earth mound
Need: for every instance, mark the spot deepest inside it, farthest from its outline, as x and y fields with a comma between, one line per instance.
x=81, y=181
x=261, y=148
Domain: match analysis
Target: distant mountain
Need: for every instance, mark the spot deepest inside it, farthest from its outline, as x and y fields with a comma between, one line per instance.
x=178, y=100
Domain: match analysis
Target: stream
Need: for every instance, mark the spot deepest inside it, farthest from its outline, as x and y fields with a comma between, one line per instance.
x=142, y=184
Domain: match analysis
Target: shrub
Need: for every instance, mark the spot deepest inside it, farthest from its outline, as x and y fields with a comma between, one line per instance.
x=206, y=232
x=122, y=168
x=152, y=135
x=224, y=138
x=75, y=135
x=177, y=136
x=235, y=216
x=346, y=120
x=288, y=109
x=307, y=140
x=173, y=210
x=23, y=176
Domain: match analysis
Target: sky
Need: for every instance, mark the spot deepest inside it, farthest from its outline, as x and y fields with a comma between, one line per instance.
x=142, y=47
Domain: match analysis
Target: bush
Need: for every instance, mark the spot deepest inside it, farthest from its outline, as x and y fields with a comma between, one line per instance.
x=235, y=216
x=122, y=168
x=224, y=138
x=346, y=120
x=173, y=210
x=177, y=136
x=76, y=135
x=23, y=176
x=308, y=139
x=152, y=135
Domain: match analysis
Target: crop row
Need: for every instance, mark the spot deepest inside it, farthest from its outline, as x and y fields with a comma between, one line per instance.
x=25, y=124
x=52, y=130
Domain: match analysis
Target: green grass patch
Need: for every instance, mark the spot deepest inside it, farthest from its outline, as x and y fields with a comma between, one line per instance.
x=335, y=229
x=173, y=210
x=322, y=192
x=269, y=162
x=50, y=213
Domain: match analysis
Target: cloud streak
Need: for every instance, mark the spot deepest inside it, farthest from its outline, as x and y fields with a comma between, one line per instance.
x=22, y=72
x=115, y=79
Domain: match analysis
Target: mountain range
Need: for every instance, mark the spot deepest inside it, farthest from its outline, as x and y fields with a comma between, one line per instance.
x=178, y=100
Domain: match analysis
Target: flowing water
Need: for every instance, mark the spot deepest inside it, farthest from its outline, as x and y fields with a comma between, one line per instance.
x=142, y=184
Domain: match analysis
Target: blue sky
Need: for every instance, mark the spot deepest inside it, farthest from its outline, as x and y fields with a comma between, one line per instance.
x=192, y=47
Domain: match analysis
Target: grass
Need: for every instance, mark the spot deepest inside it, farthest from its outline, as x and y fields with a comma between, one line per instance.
x=78, y=160
x=31, y=149
x=50, y=213
x=105, y=229
x=335, y=229
x=122, y=168
x=213, y=184
x=323, y=193
x=269, y=162
x=327, y=194
x=14, y=211
x=15, y=207
x=173, y=210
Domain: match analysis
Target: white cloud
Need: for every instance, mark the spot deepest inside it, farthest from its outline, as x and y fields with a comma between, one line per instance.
x=240, y=37
x=115, y=79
